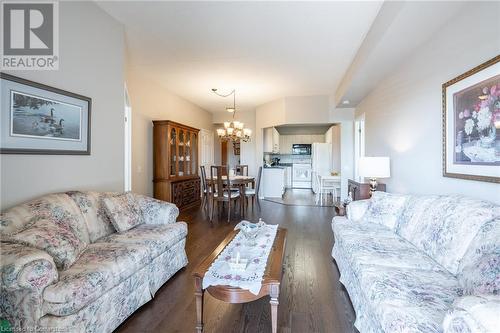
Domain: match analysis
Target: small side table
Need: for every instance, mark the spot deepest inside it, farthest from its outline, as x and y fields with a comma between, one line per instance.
x=361, y=190
x=340, y=209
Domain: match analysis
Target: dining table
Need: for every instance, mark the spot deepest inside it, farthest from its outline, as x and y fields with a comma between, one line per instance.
x=238, y=181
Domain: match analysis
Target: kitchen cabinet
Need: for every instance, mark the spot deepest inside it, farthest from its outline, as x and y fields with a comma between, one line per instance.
x=276, y=141
x=273, y=182
x=288, y=177
x=271, y=140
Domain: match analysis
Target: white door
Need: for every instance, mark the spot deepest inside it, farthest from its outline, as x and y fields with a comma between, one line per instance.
x=206, y=157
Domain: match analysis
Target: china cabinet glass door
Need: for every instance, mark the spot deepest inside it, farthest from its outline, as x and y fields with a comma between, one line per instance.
x=181, y=153
x=188, y=153
x=173, y=152
x=194, y=153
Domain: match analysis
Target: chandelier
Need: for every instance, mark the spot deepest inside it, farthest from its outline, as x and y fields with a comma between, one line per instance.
x=233, y=130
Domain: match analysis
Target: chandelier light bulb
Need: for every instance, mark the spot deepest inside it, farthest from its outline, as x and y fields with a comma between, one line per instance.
x=234, y=130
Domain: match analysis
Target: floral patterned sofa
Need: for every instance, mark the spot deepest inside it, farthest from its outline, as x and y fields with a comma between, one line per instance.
x=78, y=273
x=421, y=263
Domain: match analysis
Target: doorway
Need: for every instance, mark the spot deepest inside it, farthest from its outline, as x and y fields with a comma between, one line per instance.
x=223, y=152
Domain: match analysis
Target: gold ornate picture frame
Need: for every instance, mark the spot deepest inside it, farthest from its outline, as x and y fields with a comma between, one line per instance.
x=471, y=124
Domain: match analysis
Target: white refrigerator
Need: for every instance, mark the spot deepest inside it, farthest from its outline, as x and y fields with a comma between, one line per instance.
x=321, y=155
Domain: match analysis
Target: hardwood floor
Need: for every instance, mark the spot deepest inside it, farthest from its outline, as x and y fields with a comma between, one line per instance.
x=311, y=298
x=303, y=197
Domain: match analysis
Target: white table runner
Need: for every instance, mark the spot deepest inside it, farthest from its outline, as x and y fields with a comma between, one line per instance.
x=257, y=253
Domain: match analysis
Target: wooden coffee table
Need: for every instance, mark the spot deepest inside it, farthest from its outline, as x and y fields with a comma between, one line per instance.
x=270, y=282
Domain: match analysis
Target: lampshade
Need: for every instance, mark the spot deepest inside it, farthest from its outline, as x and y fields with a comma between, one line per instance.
x=374, y=167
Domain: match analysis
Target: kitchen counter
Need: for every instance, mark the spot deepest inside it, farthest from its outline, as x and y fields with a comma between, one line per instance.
x=273, y=182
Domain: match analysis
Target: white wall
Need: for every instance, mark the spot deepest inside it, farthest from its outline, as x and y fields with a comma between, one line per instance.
x=289, y=110
x=403, y=115
x=151, y=101
x=345, y=118
x=333, y=136
x=346, y=155
x=306, y=109
x=91, y=64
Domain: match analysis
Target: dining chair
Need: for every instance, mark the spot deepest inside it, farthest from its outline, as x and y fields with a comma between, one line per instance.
x=253, y=193
x=242, y=170
x=221, y=191
x=205, y=187
x=327, y=186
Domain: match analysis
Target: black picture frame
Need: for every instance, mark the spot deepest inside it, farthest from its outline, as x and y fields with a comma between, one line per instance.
x=28, y=151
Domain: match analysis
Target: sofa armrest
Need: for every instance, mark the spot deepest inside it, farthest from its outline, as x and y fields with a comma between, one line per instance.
x=356, y=209
x=478, y=313
x=24, y=267
x=157, y=211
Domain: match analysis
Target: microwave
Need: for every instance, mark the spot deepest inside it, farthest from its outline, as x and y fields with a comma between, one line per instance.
x=301, y=149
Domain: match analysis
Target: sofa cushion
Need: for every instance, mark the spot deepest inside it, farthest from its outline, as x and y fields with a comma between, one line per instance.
x=58, y=208
x=385, y=208
x=344, y=226
x=479, y=269
x=157, y=238
x=395, y=252
x=368, y=247
x=92, y=208
x=446, y=227
x=409, y=300
x=473, y=314
x=415, y=208
x=100, y=267
x=156, y=211
x=124, y=211
x=57, y=238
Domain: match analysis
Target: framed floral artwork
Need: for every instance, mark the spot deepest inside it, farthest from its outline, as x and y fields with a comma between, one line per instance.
x=471, y=124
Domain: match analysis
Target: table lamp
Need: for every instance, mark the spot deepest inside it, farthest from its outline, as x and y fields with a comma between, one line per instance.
x=373, y=168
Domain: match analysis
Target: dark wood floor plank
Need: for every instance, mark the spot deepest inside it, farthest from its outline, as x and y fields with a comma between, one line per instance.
x=311, y=297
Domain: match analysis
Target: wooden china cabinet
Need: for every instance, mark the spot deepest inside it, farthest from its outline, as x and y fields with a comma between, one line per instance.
x=175, y=160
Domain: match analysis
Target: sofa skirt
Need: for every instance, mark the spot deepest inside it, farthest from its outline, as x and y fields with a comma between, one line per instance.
x=107, y=312
x=365, y=322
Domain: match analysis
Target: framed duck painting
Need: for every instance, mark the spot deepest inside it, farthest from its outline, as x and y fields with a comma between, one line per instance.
x=38, y=119
x=471, y=124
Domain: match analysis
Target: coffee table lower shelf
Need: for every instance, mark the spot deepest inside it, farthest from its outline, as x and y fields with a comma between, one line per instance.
x=270, y=283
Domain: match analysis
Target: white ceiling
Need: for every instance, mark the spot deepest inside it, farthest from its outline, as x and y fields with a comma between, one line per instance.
x=398, y=30
x=266, y=50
